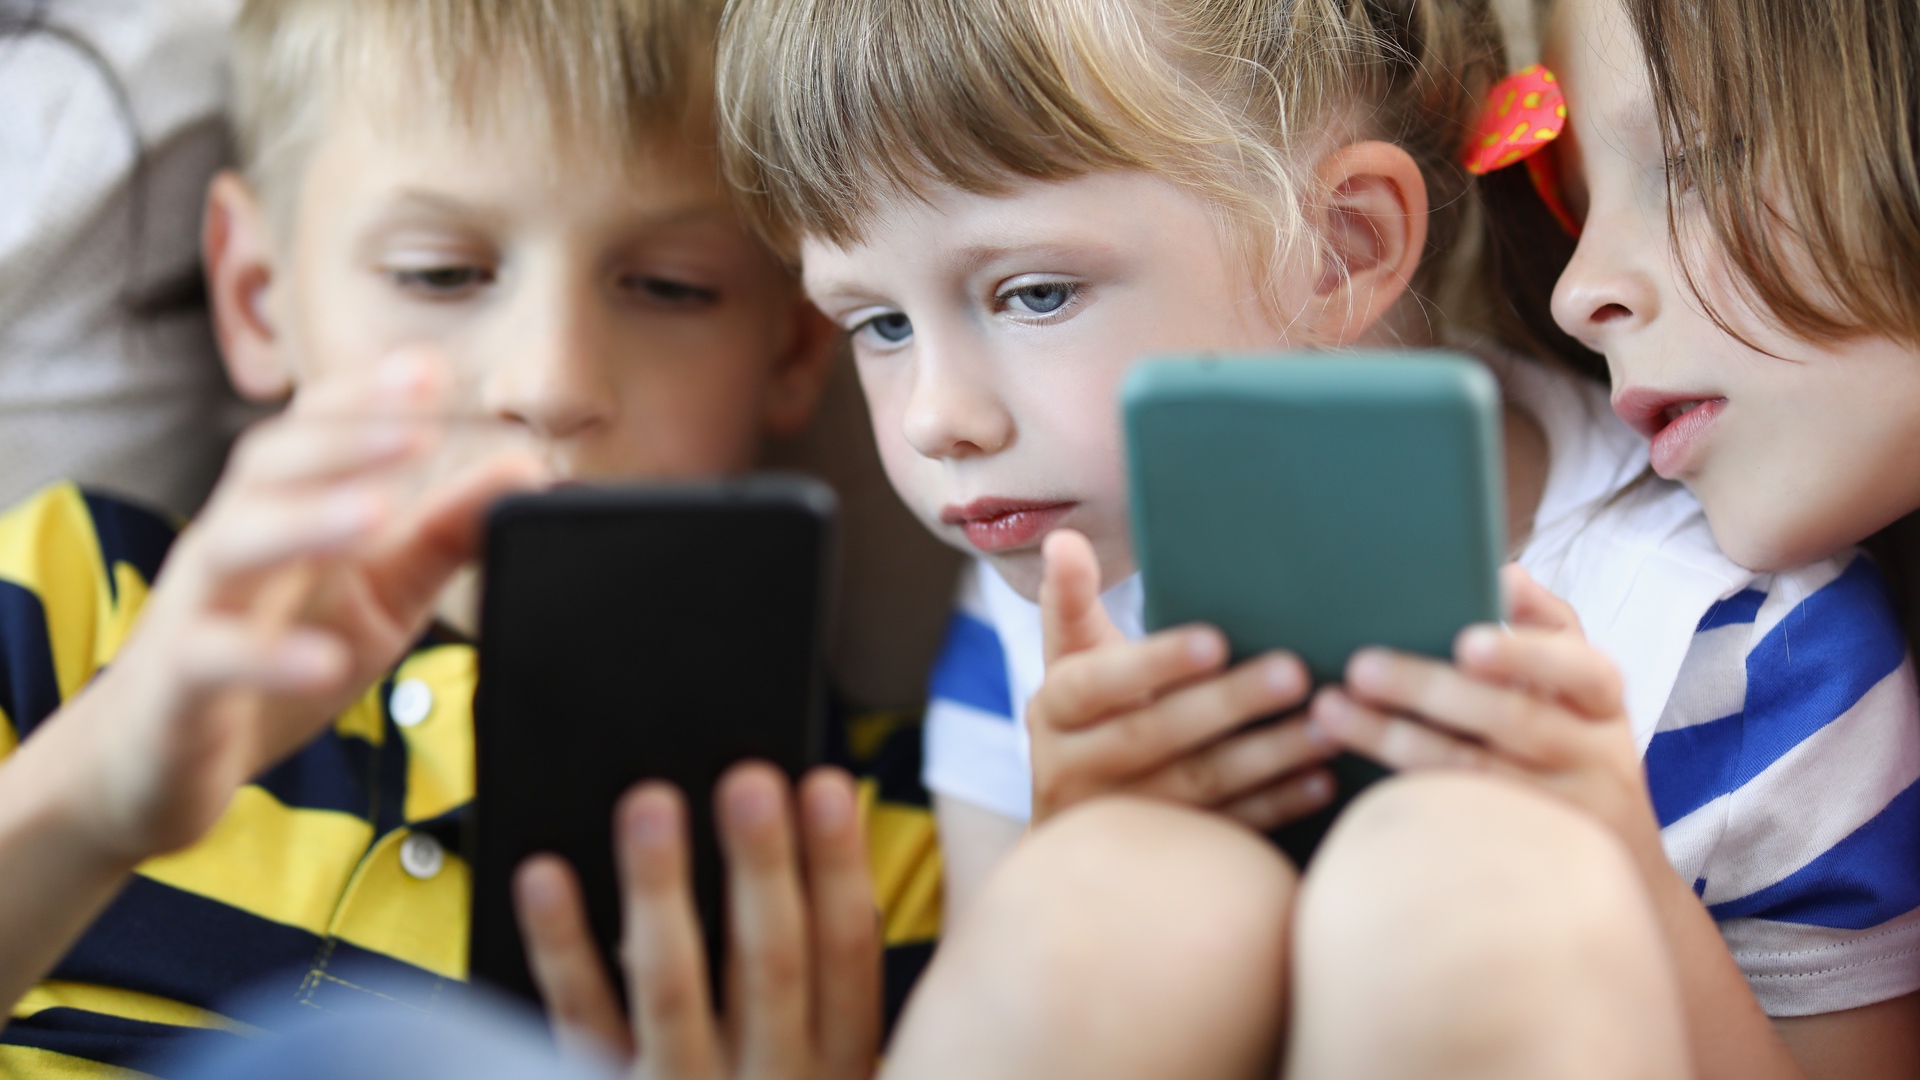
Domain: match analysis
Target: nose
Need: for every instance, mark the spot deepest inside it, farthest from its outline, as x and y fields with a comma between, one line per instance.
x=552, y=376
x=953, y=410
x=1606, y=289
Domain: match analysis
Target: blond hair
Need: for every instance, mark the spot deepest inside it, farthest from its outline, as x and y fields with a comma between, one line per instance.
x=829, y=106
x=1799, y=128
x=611, y=72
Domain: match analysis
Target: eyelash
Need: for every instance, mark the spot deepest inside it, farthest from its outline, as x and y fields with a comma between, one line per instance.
x=1004, y=300
x=433, y=281
x=871, y=328
x=673, y=293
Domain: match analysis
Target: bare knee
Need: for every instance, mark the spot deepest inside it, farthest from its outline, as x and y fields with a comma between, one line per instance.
x=1508, y=932
x=1125, y=938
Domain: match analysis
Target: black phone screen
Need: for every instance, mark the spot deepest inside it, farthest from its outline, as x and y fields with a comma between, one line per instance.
x=630, y=634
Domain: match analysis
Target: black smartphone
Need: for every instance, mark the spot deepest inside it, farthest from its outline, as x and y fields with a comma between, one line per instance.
x=634, y=633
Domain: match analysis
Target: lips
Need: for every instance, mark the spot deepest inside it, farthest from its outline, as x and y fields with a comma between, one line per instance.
x=1675, y=423
x=997, y=525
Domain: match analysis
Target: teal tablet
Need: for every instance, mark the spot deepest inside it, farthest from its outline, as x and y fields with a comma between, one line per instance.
x=1318, y=503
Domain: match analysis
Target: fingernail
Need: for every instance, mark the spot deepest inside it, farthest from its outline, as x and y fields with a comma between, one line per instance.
x=829, y=811
x=539, y=891
x=1318, y=788
x=1204, y=646
x=1368, y=666
x=1329, y=714
x=348, y=512
x=652, y=821
x=1283, y=676
x=1319, y=736
x=752, y=806
x=1479, y=644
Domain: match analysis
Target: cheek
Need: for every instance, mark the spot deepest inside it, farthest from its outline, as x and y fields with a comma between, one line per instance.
x=887, y=386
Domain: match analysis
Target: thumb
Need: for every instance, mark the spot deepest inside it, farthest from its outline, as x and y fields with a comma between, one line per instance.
x=1071, y=617
x=1530, y=603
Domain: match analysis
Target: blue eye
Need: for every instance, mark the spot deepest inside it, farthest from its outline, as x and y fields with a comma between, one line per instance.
x=892, y=328
x=1042, y=299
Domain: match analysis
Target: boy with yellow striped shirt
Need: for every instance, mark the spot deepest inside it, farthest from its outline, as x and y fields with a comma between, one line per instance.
x=248, y=771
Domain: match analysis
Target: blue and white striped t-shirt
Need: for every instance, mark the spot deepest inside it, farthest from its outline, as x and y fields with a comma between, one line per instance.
x=1786, y=776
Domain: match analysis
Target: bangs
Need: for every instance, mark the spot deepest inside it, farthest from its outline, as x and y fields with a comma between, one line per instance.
x=829, y=108
x=608, y=73
x=838, y=104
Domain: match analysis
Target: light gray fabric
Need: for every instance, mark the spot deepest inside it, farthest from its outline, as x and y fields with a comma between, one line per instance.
x=108, y=371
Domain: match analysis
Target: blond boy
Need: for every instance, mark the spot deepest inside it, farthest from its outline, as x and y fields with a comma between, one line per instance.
x=503, y=215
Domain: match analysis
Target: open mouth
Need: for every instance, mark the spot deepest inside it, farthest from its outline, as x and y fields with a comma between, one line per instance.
x=993, y=526
x=1675, y=424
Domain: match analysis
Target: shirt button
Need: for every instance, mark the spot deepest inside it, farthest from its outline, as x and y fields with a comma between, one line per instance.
x=421, y=856
x=411, y=703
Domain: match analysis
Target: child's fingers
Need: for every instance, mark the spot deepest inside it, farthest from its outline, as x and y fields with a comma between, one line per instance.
x=272, y=530
x=1071, y=615
x=662, y=950
x=445, y=534
x=1555, y=663
x=1240, y=764
x=769, y=975
x=1393, y=741
x=1279, y=804
x=1198, y=714
x=409, y=382
x=1084, y=689
x=1517, y=723
x=1530, y=603
x=294, y=450
x=846, y=927
x=565, y=961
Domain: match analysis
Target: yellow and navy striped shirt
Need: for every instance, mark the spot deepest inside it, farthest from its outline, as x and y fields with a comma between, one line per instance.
x=335, y=875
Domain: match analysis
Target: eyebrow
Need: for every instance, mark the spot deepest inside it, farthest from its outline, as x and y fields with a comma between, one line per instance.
x=970, y=258
x=418, y=202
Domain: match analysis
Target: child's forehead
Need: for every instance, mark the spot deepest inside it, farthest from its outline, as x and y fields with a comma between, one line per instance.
x=403, y=118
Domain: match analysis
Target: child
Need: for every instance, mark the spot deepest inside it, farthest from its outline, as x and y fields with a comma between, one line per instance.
x=255, y=767
x=1003, y=244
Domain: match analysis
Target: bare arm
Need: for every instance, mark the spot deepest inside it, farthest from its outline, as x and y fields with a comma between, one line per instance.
x=1867, y=1043
x=1732, y=1037
x=54, y=876
x=973, y=840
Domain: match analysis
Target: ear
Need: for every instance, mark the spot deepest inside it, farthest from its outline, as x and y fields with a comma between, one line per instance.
x=237, y=247
x=800, y=373
x=1375, y=232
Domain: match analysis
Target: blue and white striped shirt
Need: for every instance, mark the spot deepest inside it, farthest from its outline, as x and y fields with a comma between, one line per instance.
x=1786, y=776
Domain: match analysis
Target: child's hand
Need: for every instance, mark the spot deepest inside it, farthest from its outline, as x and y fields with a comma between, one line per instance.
x=305, y=579
x=1159, y=717
x=803, y=974
x=1536, y=702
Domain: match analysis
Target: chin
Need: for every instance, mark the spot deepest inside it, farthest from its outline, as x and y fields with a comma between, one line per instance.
x=1023, y=570
x=1766, y=547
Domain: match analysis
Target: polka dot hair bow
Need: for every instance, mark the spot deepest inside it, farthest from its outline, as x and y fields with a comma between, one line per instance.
x=1525, y=112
